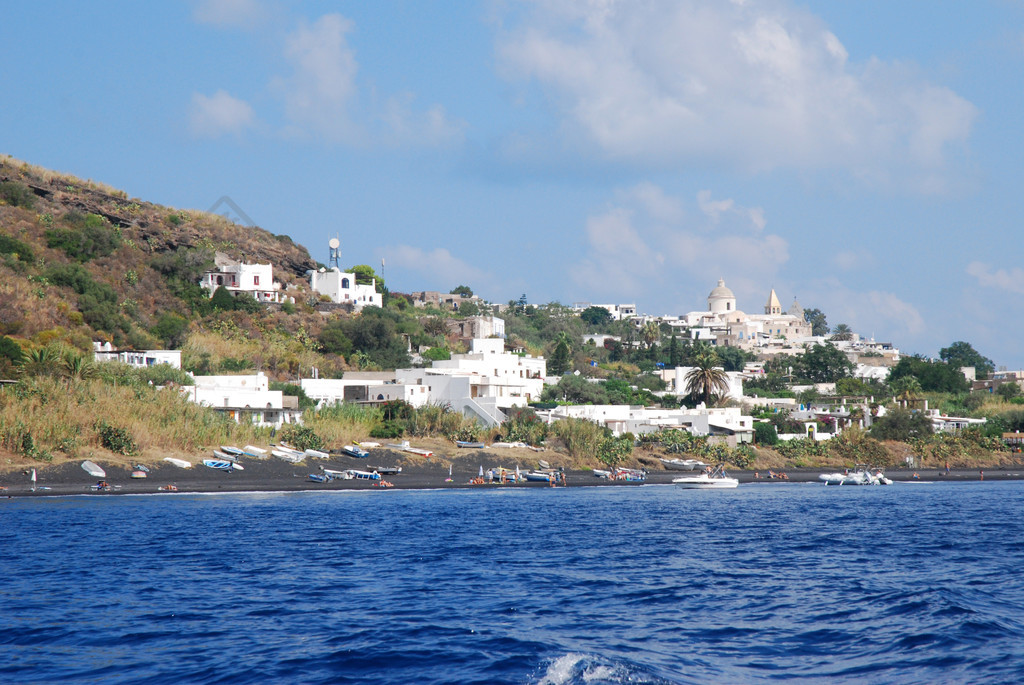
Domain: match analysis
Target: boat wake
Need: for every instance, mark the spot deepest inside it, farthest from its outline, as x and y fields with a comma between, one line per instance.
x=593, y=669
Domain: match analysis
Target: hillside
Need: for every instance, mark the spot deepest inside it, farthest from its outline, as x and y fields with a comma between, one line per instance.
x=82, y=261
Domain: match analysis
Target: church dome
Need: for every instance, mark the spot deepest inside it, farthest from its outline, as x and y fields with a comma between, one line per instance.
x=721, y=299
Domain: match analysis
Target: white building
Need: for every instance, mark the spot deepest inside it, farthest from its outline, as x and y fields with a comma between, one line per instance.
x=727, y=423
x=342, y=288
x=140, y=359
x=482, y=382
x=254, y=279
x=245, y=398
x=618, y=311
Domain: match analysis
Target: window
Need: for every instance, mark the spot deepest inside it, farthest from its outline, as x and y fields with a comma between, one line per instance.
x=220, y=280
x=255, y=280
x=344, y=283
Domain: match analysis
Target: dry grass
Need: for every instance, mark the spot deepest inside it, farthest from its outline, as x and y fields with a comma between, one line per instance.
x=63, y=418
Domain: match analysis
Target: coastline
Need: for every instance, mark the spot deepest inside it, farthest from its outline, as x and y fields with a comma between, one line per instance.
x=275, y=475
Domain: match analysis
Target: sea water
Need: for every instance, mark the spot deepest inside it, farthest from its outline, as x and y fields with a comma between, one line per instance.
x=913, y=583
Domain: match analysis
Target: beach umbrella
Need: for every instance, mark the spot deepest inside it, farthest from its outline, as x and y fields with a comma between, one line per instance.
x=481, y=470
x=33, y=480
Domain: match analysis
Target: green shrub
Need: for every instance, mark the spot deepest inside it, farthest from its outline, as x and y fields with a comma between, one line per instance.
x=765, y=434
x=17, y=194
x=387, y=429
x=302, y=437
x=16, y=248
x=89, y=236
x=117, y=440
x=612, y=451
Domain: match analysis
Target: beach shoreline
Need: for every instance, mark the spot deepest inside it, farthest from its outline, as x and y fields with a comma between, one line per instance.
x=274, y=475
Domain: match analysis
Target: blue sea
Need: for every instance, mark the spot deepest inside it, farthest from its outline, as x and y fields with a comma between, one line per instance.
x=913, y=583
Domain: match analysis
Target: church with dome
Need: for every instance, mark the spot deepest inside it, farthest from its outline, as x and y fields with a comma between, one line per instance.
x=723, y=324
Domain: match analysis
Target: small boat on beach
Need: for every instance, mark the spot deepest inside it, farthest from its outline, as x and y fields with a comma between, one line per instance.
x=141, y=467
x=288, y=456
x=223, y=465
x=355, y=451
x=682, y=464
x=387, y=470
x=367, y=445
x=229, y=449
x=180, y=463
x=319, y=478
x=316, y=454
x=464, y=444
x=253, y=451
x=404, y=446
x=715, y=480
x=138, y=474
x=93, y=469
x=225, y=456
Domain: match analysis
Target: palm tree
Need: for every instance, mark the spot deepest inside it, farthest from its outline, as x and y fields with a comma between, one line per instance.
x=706, y=381
x=650, y=334
x=436, y=325
x=76, y=367
x=42, y=362
x=907, y=389
x=842, y=332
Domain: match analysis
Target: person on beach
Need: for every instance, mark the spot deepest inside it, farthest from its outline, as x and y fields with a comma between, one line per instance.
x=947, y=468
x=982, y=473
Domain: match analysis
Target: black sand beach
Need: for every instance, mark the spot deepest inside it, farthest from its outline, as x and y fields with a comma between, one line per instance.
x=275, y=475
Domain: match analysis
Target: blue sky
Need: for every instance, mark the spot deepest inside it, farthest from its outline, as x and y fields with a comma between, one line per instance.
x=862, y=157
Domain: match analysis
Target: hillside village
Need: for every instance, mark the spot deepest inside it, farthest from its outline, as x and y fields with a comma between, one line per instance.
x=270, y=340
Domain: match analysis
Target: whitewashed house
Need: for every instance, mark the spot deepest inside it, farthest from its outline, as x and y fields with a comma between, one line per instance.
x=341, y=288
x=140, y=359
x=245, y=398
x=256, y=280
x=728, y=424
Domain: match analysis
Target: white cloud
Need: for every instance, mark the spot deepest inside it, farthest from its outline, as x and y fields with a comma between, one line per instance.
x=757, y=85
x=432, y=263
x=1011, y=280
x=635, y=247
x=318, y=95
x=849, y=260
x=219, y=114
x=243, y=14
x=322, y=97
x=869, y=313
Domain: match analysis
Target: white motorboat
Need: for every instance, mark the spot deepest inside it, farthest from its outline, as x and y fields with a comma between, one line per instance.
x=715, y=480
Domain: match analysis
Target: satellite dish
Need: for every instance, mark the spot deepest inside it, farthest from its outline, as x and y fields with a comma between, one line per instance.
x=334, y=243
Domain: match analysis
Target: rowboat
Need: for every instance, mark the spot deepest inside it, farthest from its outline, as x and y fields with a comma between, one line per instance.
x=386, y=470
x=289, y=456
x=251, y=451
x=682, y=464
x=222, y=464
x=316, y=454
x=141, y=467
x=138, y=474
x=224, y=456
x=469, y=445
x=228, y=449
x=180, y=463
x=354, y=451
x=93, y=469
x=318, y=478
x=406, y=447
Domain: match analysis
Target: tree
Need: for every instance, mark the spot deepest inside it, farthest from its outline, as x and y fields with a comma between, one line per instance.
x=901, y=424
x=436, y=325
x=961, y=354
x=558, y=363
x=842, y=332
x=824, y=364
x=675, y=354
x=906, y=389
x=596, y=316
x=765, y=434
x=11, y=351
x=1008, y=391
x=463, y=290
x=650, y=334
x=934, y=376
x=816, y=317
x=365, y=275
x=732, y=358
x=706, y=382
